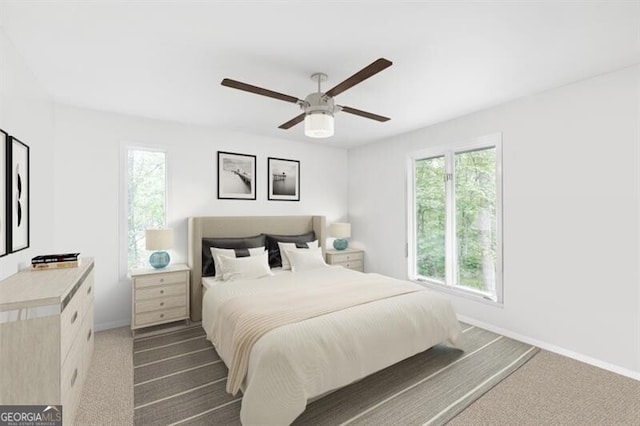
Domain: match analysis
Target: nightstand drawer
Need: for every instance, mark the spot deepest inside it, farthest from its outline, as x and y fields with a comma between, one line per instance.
x=350, y=258
x=162, y=291
x=162, y=303
x=160, y=279
x=346, y=257
x=161, y=316
x=357, y=265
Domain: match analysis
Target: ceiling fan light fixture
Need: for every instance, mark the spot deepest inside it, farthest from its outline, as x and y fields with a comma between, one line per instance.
x=318, y=124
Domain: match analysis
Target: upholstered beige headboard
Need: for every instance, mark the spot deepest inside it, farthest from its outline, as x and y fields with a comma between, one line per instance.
x=241, y=226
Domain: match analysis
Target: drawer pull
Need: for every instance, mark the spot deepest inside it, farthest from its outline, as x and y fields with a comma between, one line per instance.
x=74, y=377
x=161, y=315
x=74, y=317
x=161, y=291
x=89, y=290
x=161, y=280
x=89, y=335
x=161, y=303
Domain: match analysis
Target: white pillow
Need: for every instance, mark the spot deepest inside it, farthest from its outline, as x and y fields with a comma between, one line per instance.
x=306, y=259
x=245, y=268
x=284, y=247
x=217, y=252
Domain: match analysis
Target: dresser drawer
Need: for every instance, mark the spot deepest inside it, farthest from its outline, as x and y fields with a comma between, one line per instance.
x=161, y=303
x=87, y=292
x=163, y=291
x=160, y=279
x=75, y=368
x=72, y=315
x=161, y=316
x=346, y=257
x=87, y=335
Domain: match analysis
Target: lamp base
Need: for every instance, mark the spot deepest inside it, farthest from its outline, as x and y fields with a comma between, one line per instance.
x=159, y=259
x=340, y=244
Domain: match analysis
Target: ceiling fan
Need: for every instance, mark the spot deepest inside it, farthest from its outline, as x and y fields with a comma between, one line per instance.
x=319, y=107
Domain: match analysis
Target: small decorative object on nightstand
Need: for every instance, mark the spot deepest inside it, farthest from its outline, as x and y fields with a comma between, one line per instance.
x=159, y=296
x=159, y=240
x=340, y=231
x=349, y=258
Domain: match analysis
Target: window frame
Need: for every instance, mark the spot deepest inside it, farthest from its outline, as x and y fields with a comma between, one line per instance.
x=449, y=286
x=123, y=245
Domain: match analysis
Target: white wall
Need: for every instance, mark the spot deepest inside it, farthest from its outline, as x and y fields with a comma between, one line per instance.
x=571, y=192
x=87, y=206
x=26, y=113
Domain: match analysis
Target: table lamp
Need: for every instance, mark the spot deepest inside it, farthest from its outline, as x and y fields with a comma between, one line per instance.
x=340, y=231
x=159, y=240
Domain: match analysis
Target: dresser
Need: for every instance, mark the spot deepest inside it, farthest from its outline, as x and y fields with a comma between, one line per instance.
x=159, y=295
x=349, y=258
x=46, y=336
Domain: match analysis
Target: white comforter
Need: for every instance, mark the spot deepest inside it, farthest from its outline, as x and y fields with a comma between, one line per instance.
x=294, y=363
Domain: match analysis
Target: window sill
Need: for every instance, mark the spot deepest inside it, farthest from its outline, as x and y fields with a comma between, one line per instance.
x=459, y=292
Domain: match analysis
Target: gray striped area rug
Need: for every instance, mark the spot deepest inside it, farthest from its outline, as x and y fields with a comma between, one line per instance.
x=179, y=379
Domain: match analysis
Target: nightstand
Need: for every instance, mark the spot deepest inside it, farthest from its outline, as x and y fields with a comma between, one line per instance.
x=349, y=258
x=159, y=296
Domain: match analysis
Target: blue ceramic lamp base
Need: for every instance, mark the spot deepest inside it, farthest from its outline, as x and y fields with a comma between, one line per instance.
x=340, y=244
x=159, y=259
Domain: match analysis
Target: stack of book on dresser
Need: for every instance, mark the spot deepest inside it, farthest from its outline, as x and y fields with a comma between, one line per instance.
x=52, y=261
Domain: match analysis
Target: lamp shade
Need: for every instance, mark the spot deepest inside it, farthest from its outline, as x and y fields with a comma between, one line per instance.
x=340, y=230
x=158, y=239
x=318, y=125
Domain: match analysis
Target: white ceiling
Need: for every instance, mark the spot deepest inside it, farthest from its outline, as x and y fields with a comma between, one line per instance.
x=165, y=59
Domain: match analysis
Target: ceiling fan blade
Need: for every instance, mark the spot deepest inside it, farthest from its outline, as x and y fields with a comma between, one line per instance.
x=364, y=114
x=289, y=124
x=258, y=90
x=360, y=76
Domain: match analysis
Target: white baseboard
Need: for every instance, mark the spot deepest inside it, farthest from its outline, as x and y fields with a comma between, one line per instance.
x=112, y=324
x=553, y=348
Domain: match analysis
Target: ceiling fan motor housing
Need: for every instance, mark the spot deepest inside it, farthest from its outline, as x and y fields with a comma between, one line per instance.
x=319, y=103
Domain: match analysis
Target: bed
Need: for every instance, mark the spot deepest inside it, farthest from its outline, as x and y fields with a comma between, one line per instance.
x=292, y=336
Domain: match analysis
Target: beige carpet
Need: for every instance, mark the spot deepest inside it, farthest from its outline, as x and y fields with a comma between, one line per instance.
x=555, y=390
x=549, y=390
x=107, y=398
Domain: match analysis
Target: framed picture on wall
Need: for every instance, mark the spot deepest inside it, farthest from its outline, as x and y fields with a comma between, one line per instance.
x=4, y=143
x=18, y=195
x=284, y=179
x=236, y=176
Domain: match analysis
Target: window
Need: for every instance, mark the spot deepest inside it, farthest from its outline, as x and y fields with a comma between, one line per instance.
x=146, y=195
x=455, y=232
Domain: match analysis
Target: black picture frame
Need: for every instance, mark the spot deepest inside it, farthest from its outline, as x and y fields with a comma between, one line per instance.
x=283, y=179
x=4, y=209
x=236, y=176
x=18, y=195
